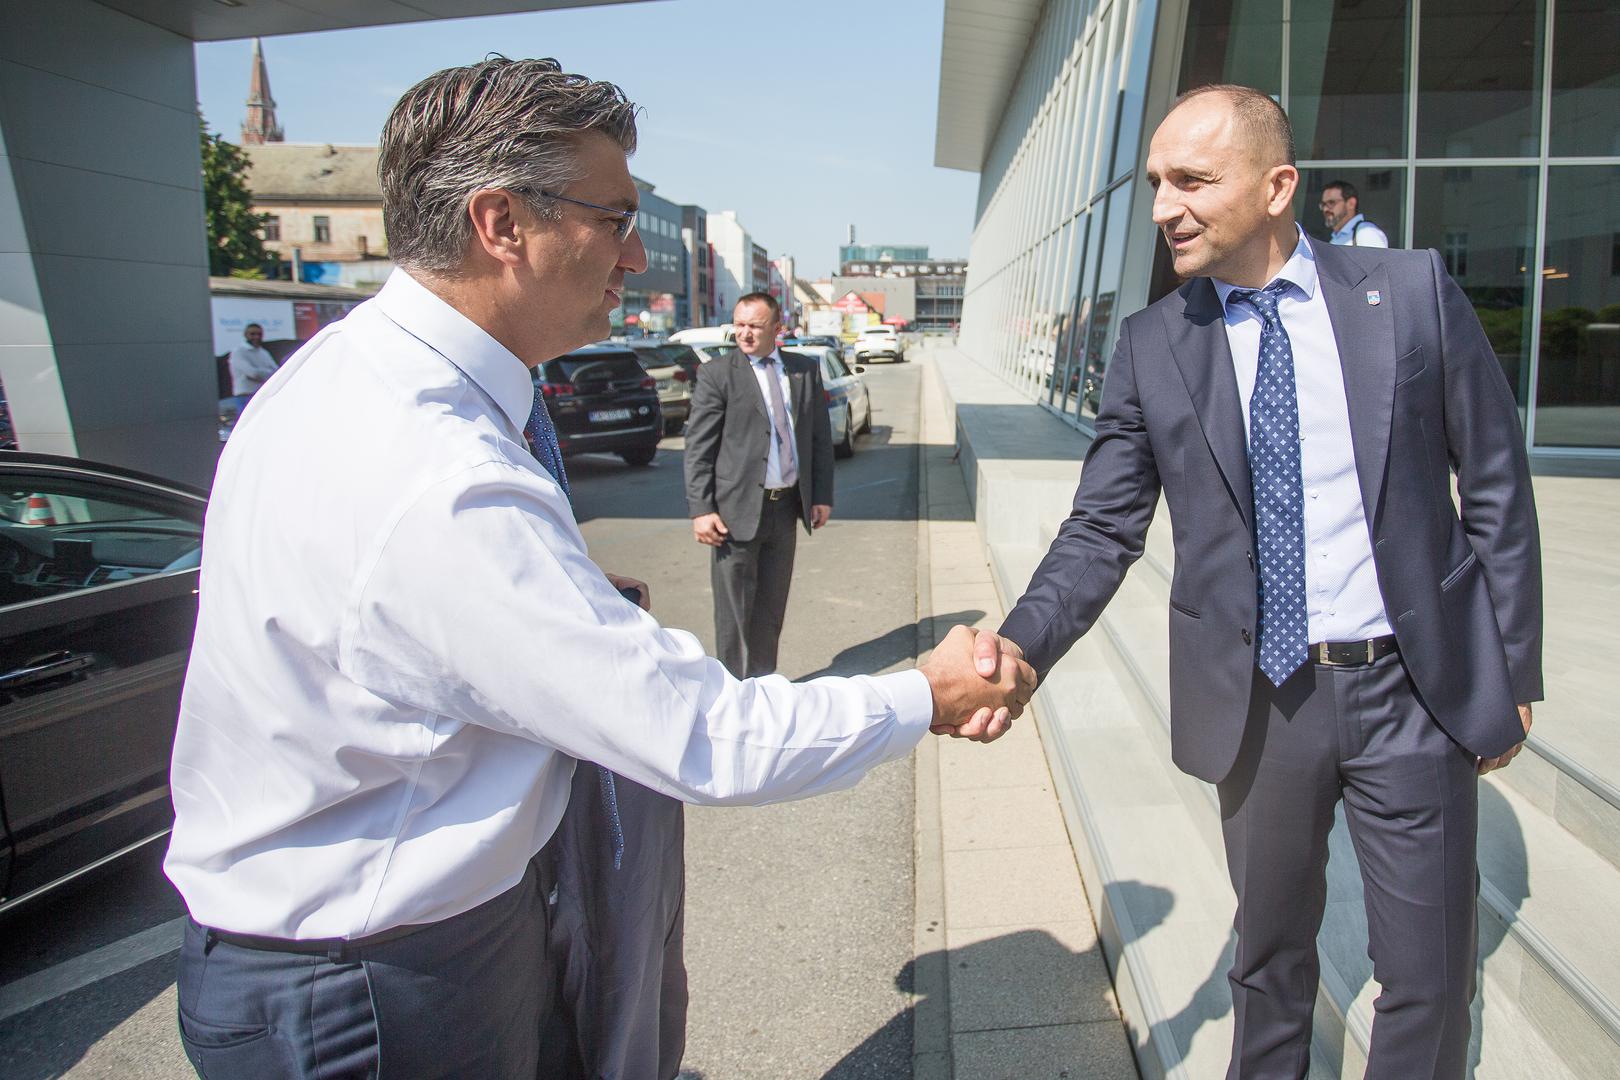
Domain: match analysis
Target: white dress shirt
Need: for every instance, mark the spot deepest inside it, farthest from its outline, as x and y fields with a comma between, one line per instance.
x=402, y=645
x=773, y=460
x=251, y=366
x=1341, y=583
x=1360, y=232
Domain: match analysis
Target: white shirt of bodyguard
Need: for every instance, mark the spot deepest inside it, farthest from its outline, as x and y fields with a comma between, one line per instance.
x=1359, y=232
x=775, y=472
x=1342, y=600
x=402, y=644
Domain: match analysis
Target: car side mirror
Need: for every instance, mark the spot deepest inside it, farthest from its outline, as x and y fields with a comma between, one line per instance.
x=860, y=370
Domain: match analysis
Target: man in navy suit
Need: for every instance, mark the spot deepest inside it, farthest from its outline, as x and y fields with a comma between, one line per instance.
x=1339, y=628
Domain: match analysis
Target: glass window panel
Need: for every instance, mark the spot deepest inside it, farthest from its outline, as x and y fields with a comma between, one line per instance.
x=1585, y=78
x=1234, y=41
x=1380, y=196
x=1479, y=78
x=1079, y=314
x=1133, y=96
x=1578, y=383
x=1104, y=310
x=1482, y=220
x=1347, y=78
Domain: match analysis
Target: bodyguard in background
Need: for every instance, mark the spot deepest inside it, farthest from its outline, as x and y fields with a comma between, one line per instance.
x=1339, y=630
x=759, y=462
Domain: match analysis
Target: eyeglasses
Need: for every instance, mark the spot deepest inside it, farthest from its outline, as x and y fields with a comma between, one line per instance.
x=627, y=218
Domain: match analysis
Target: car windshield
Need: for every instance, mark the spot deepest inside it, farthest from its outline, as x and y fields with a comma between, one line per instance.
x=679, y=354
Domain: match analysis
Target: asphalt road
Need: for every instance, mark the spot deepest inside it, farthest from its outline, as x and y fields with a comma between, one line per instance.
x=799, y=916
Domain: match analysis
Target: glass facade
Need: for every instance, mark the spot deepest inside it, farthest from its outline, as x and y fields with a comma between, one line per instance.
x=1488, y=130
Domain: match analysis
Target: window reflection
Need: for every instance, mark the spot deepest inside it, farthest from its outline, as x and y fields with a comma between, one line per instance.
x=1234, y=41
x=1585, y=78
x=1482, y=221
x=1578, y=385
x=1347, y=78
x=1104, y=309
x=1479, y=78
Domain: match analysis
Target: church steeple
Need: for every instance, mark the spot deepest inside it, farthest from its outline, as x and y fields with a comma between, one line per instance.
x=260, y=125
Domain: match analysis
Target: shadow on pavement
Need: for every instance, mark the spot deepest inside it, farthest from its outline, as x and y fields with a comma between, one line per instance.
x=880, y=653
x=1021, y=979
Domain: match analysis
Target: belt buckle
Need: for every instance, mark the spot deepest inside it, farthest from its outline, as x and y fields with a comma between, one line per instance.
x=1370, y=656
x=773, y=494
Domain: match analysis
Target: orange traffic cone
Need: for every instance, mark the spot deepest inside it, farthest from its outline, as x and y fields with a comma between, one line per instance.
x=38, y=511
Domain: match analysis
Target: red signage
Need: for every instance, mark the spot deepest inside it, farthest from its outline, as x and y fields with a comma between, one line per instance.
x=851, y=304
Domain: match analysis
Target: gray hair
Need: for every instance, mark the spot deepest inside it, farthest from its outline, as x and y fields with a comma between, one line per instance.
x=501, y=123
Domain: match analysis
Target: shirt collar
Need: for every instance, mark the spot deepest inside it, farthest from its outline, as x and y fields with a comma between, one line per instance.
x=465, y=344
x=1299, y=271
x=758, y=361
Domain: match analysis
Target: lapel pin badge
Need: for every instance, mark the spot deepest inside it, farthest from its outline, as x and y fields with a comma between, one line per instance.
x=1373, y=299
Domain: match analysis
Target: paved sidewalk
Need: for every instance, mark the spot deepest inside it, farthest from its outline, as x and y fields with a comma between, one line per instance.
x=1010, y=980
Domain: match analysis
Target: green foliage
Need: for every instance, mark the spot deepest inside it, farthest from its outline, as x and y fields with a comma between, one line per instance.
x=235, y=243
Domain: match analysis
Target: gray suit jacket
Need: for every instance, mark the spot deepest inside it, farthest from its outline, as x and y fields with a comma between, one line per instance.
x=1426, y=398
x=728, y=437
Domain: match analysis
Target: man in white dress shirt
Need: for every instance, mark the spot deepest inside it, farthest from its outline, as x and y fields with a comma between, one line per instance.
x=389, y=688
x=250, y=363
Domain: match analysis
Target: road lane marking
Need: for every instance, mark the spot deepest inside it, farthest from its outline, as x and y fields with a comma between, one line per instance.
x=92, y=967
x=871, y=484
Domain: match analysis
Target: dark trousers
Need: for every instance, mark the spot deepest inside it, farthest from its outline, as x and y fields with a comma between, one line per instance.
x=465, y=997
x=1411, y=800
x=751, y=579
x=617, y=937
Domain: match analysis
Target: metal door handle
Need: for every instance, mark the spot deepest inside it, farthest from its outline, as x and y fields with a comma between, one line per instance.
x=50, y=666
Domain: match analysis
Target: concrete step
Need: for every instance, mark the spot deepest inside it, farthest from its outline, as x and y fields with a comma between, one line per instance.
x=1551, y=957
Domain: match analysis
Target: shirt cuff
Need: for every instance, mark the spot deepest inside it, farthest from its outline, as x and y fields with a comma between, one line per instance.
x=912, y=700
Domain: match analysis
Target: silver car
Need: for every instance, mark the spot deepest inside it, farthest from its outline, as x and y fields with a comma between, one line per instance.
x=849, y=403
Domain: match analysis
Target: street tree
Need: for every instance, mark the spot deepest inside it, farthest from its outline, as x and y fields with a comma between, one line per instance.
x=235, y=241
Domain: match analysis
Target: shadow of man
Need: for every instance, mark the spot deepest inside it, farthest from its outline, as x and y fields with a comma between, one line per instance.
x=980, y=999
x=888, y=649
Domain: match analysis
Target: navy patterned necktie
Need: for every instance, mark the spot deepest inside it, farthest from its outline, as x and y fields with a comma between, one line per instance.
x=1279, y=500
x=542, y=437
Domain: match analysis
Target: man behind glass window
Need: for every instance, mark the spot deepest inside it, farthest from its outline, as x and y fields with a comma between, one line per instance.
x=1341, y=211
x=390, y=685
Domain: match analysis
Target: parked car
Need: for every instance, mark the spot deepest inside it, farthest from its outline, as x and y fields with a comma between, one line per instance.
x=674, y=368
x=708, y=342
x=602, y=400
x=816, y=339
x=98, y=589
x=876, y=341
x=849, y=403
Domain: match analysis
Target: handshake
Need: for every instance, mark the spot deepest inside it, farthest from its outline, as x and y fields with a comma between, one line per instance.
x=980, y=684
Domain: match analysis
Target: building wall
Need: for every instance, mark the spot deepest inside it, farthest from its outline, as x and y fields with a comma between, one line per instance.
x=356, y=231
x=900, y=293
x=734, y=261
x=105, y=344
x=1506, y=161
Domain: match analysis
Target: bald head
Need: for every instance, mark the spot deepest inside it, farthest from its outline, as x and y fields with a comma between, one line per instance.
x=1259, y=124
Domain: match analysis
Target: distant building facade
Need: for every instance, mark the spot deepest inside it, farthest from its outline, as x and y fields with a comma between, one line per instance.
x=733, y=261
x=651, y=298
x=926, y=292
x=696, y=308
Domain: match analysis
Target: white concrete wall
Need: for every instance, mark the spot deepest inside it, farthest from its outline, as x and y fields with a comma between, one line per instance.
x=733, y=262
x=104, y=322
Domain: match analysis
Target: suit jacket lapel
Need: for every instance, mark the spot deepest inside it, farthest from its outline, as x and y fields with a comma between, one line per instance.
x=752, y=390
x=1198, y=341
x=1365, y=333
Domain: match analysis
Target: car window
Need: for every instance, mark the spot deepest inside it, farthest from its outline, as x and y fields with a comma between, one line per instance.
x=680, y=354
x=593, y=367
x=61, y=534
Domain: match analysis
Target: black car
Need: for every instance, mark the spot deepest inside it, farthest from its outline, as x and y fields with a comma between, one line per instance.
x=98, y=602
x=602, y=400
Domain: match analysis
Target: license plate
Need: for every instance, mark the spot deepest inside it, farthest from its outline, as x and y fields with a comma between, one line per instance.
x=608, y=416
x=666, y=385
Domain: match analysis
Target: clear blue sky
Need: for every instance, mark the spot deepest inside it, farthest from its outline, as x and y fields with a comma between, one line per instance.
x=801, y=117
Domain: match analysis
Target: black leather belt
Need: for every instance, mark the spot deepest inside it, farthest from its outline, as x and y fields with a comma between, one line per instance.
x=333, y=948
x=1350, y=653
x=773, y=494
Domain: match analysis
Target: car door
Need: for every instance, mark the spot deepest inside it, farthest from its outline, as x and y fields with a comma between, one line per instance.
x=98, y=602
